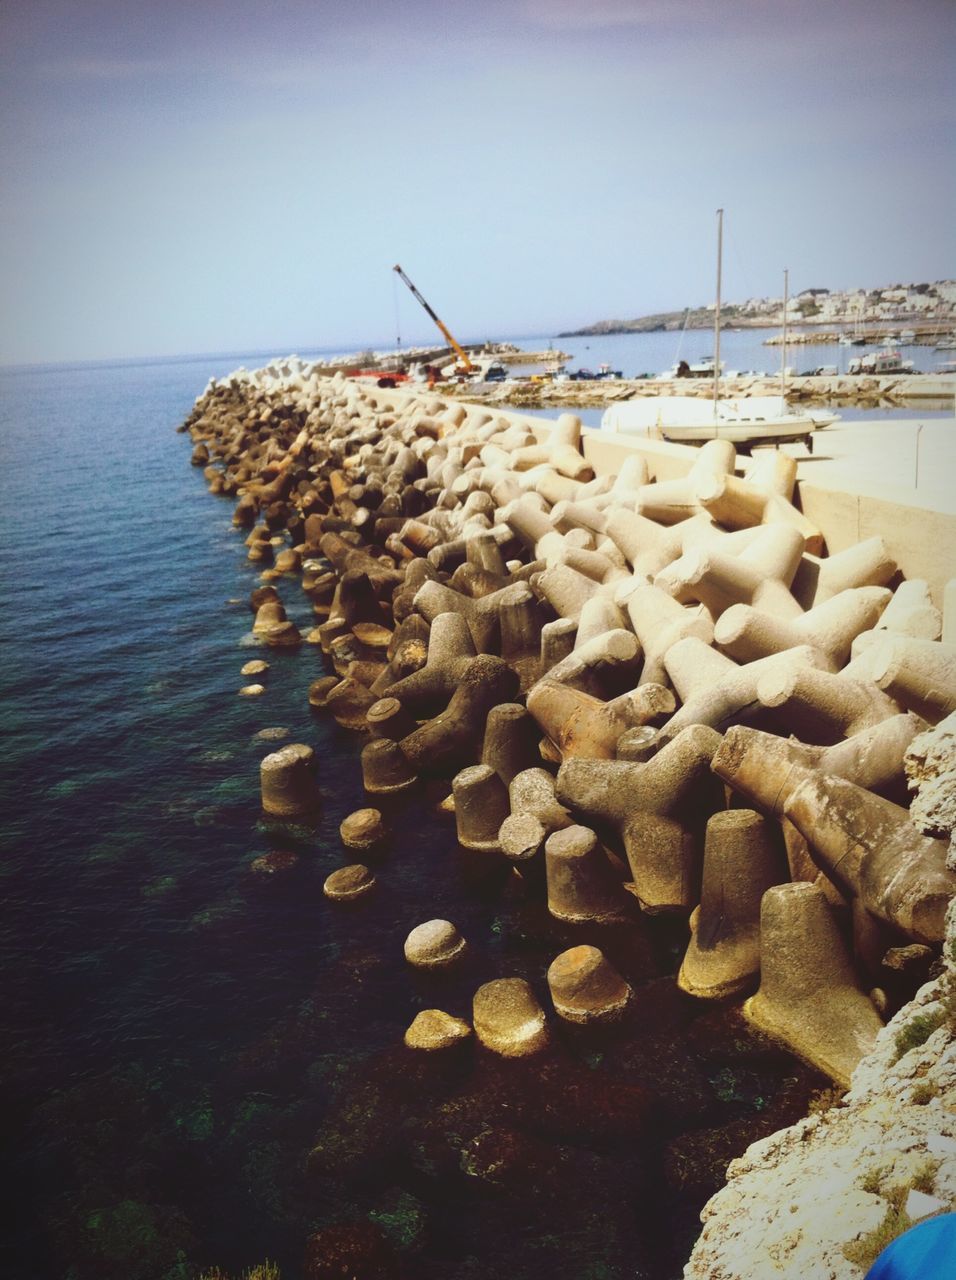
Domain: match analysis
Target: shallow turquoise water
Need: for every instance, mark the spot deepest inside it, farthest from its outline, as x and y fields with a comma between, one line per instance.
x=175, y=1042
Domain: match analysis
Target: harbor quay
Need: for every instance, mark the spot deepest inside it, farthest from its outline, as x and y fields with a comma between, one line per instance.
x=915, y=390
x=650, y=687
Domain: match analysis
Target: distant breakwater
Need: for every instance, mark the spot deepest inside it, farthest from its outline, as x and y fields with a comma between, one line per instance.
x=580, y=666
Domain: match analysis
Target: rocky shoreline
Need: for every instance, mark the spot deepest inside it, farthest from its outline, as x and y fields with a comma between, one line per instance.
x=645, y=694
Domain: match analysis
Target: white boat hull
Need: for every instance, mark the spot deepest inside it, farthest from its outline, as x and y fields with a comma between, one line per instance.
x=688, y=419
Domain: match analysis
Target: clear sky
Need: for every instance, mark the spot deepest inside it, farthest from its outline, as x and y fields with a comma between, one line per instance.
x=223, y=175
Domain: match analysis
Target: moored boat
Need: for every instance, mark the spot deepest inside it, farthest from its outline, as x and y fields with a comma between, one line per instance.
x=742, y=420
x=880, y=362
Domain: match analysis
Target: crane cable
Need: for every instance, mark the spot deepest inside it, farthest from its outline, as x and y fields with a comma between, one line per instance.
x=398, y=326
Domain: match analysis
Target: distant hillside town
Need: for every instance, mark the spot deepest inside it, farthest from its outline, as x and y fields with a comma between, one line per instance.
x=923, y=304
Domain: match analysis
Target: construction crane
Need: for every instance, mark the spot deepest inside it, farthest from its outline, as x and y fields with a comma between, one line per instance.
x=459, y=350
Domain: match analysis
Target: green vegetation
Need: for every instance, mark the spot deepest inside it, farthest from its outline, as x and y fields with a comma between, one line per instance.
x=924, y=1178
x=924, y=1091
x=262, y=1271
x=868, y=1248
x=917, y=1031
x=896, y=1220
x=872, y=1180
x=823, y=1099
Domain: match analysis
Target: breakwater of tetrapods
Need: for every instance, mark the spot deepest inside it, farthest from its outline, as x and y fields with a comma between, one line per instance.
x=639, y=699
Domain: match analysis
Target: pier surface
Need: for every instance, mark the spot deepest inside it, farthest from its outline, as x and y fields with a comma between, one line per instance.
x=926, y=390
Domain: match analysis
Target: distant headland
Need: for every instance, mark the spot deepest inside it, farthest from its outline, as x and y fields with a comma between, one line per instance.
x=919, y=302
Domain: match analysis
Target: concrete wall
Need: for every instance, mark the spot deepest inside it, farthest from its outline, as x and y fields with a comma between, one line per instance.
x=921, y=541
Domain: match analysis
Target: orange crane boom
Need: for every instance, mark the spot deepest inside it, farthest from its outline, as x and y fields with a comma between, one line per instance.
x=459, y=350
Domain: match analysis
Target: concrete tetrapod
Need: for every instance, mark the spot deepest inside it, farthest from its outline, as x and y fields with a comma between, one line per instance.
x=288, y=780
x=873, y=759
x=273, y=627
x=585, y=986
x=453, y=739
x=760, y=575
x=714, y=690
x=579, y=552
x=388, y=718
x=561, y=450
x=363, y=829
x=743, y=857
x=428, y=690
x=865, y=844
x=349, y=701
x=581, y=882
x=519, y=626
x=598, y=664
x=385, y=768
x=808, y=995
x=670, y=501
x=432, y=1030
x=747, y=633
x=911, y=612
x=648, y=545
x=660, y=810
x=433, y=599
x=557, y=641
x=660, y=622
x=566, y=590
x=481, y=806
x=582, y=726
x=763, y=497
x=587, y=514
x=527, y=518
x=508, y=1019
x=511, y=741
x=921, y=674
x=434, y=945
x=599, y=616
x=348, y=883
x=865, y=564
x=820, y=707
x=535, y=813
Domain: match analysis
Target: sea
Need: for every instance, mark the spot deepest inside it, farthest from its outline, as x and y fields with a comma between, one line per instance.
x=203, y=1068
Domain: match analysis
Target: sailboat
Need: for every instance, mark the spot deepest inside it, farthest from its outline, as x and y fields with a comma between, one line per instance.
x=743, y=420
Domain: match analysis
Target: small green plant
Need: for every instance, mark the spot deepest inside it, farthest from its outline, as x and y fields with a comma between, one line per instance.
x=924, y=1176
x=823, y=1099
x=917, y=1031
x=872, y=1180
x=896, y=1220
x=261, y=1271
x=947, y=998
x=924, y=1091
x=867, y=1249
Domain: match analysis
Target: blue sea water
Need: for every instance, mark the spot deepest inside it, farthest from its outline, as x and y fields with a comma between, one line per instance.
x=176, y=1040
x=743, y=350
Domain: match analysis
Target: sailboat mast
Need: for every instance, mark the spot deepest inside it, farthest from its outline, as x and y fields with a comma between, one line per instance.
x=720, y=255
x=783, y=363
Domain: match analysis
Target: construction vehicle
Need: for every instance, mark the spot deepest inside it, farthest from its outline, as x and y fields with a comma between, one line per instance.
x=464, y=364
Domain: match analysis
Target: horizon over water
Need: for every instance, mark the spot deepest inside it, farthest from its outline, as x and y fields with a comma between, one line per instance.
x=740, y=348
x=202, y=1072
